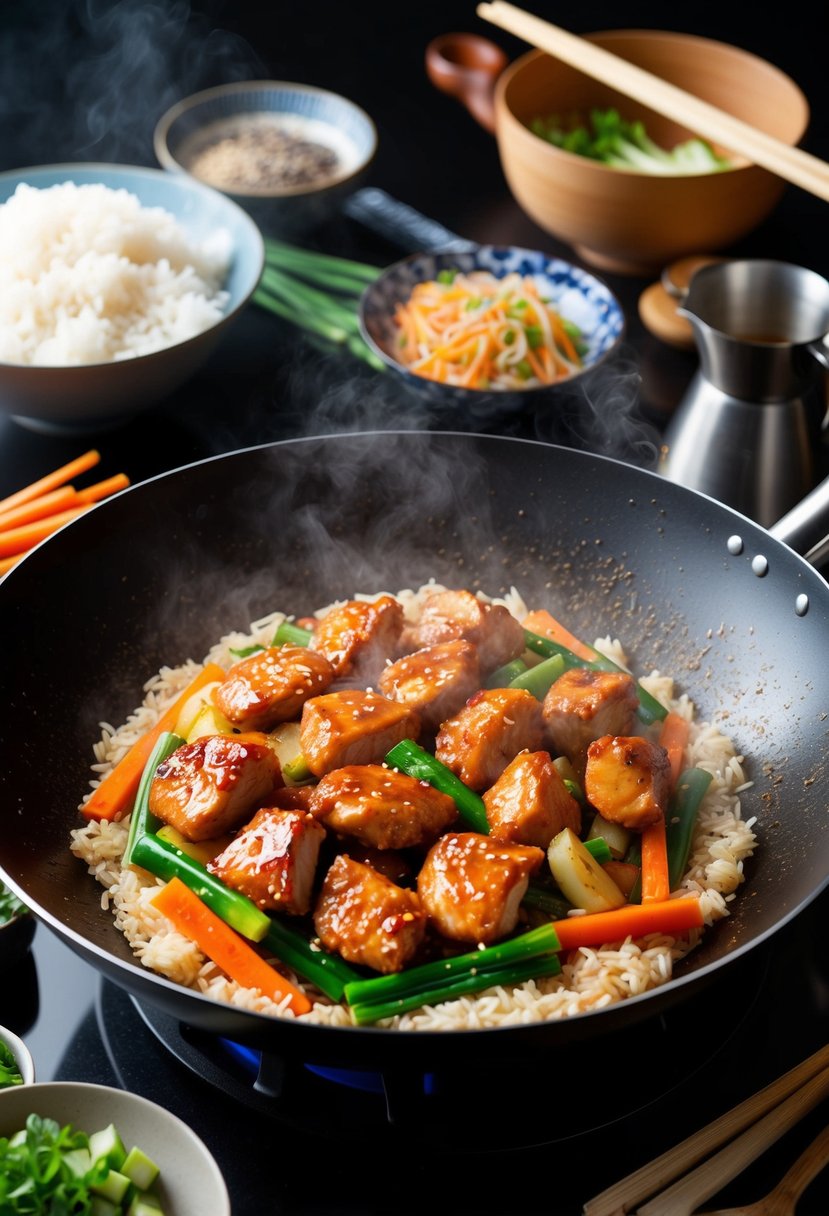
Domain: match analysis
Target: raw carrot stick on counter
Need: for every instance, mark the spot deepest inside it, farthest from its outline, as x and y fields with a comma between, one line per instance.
x=230, y=952
x=18, y=540
x=116, y=793
x=52, y=480
x=103, y=489
x=39, y=508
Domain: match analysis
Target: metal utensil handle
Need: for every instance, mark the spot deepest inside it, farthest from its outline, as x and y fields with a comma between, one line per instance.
x=401, y=224
x=804, y=528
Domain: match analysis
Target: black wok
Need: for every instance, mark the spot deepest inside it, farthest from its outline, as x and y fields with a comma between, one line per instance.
x=155, y=575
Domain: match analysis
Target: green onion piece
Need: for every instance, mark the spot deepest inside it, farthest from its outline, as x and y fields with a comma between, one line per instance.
x=502, y=677
x=574, y=789
x=366, y=1013
x=446, y=276
x=141, y=820
x=535, y=337
x=650, y=710
x=599, y=849
x=617, y=837
x=297, y=770
x=539, y=679
x=289, y=634
x=527, y=946
x=244, y=652
x=314, y=263
x=545, y=900
x=166, y=861
x=328, y=971
x=409, y=757
x=681, y=818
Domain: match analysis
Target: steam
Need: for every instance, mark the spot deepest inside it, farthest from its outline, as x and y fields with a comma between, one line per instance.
x=127, y=63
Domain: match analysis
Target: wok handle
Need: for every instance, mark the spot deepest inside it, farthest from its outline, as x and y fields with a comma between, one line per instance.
x=401, y=224
x=806, y=527
x=467, y=66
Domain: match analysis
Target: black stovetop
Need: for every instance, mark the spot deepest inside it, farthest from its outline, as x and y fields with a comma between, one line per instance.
x=543, y=1141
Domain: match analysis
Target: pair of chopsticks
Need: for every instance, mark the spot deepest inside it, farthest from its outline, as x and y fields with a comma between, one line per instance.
x=740, y=1135
x=792, y=164
x=30, y=515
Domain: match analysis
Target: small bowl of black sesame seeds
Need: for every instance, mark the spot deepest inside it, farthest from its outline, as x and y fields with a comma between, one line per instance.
x=288, y=153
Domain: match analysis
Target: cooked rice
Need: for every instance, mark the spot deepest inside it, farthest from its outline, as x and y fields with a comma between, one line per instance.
x=591, y=978
x=88, y=275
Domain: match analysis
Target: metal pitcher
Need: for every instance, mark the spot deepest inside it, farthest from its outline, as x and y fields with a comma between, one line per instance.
x=748, y=429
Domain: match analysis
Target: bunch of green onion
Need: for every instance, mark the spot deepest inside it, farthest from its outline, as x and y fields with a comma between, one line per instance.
x=319, y=293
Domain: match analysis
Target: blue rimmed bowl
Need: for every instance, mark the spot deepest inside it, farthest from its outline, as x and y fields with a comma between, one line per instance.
x=191, y=126
x=576, y=294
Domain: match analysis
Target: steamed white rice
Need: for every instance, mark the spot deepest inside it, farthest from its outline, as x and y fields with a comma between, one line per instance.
x=591, y=977
x=89, y=275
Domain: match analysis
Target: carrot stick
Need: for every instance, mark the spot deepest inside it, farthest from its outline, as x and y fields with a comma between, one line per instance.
x=633, y=920
x=17, y=540
x=674, y=738
x=39, y=508
x=103, y=489
x=52, y=480
x=543, y=623
x=656, y=886
x=6, y=563
x=230, y=952
x=116, y=793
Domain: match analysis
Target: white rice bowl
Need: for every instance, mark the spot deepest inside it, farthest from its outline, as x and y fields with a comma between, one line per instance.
x=591, y=977
x=88, y=275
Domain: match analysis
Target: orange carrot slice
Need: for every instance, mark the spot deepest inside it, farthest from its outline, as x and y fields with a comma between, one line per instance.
x=674, y=738
x=656, y=886
x=103, y=489
x=52, y=480
x=39, y=508
x=18, y=540
x=546, y=626
x=633, y=920
x=116, y=793
x=230, y=952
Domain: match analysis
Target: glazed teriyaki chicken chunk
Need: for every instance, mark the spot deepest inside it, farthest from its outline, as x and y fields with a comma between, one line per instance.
x=327, y=823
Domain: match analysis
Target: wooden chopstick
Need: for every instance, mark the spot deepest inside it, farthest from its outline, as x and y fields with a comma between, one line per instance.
x=792, y=164
x=622, y=1196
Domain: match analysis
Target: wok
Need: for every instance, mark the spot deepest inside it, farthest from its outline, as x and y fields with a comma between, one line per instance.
x=156, y=574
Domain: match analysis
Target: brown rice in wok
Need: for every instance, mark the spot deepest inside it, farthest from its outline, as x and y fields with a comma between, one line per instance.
x=591, y=978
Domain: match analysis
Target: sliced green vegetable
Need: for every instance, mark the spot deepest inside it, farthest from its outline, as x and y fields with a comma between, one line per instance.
x=289, y=634
x=543, y=899
x=533, y=954
x=297, y=770
x=9, y=1072
x=166, y=861
x=142, y=820
x=539, y=679
x=650, y=710
x=10, y=905
x=617, y=837
x=599, y=849
x=409, y=757
x=681, y=820
x=328, y=971
x=502, y=677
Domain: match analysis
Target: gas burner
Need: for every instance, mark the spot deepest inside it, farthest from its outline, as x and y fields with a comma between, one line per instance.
x=549, y=1100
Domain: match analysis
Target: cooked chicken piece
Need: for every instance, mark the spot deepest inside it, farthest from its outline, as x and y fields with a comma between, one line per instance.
x=450, y=615
x=529, y=803
x=367, y=918
x=352, y=727
x=492, y=728
x=273, y=860
x=272, y=686
x=628, y=780
x=382, y=807
x=214, y=784
x=471, y=887
x=436, y=681
x=582, y=705
x=360, y=635
x=387, y=862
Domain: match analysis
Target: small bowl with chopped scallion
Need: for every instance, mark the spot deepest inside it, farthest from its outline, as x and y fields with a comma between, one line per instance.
x=68, y=1146
x=502, y=324
x=16, y=1064
x=17, y=928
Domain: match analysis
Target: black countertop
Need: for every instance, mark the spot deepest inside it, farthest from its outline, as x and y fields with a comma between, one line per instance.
x=123, y=64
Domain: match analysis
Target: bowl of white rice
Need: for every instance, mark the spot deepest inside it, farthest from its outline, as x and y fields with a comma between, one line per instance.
x=117, y=282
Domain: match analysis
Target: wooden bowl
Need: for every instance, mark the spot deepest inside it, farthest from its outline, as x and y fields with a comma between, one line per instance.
x=617, y=219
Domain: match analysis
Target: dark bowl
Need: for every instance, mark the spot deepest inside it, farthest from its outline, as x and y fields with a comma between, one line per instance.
x=16, y=937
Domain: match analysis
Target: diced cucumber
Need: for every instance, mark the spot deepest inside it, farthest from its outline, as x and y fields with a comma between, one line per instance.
x=114, y=1187
x=145, y=1204
x=209, y=721
x=192, y=707
x=104, y=1207
x=140, y=1169
x=108, y=1143
x=79, y=1161
x=18, y=1138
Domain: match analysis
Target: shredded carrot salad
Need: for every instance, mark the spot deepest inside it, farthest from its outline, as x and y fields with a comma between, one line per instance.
x=478, y=331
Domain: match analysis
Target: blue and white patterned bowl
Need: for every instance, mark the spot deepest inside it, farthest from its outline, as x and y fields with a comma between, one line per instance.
x=576, y=294
x=338, y=122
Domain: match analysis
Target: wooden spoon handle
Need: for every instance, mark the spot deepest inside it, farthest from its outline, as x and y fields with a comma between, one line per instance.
x=794, y=1182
